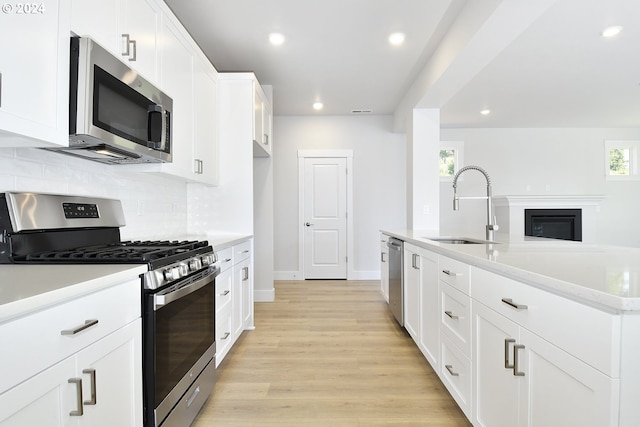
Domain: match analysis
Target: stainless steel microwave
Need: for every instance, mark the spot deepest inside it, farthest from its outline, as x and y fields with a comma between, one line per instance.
x=115, y=115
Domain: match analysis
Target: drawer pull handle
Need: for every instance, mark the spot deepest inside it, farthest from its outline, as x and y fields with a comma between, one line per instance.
x=227, y=260
x=516, y=361
x=225, y=293
x=226, y=335
x=87, y=324
x=510, y=303
x=451, y=315
x=451, y=371
x=193, y=396
x=246, y=251
x=507, y=341
x=450, y=273
x=79, y=411
x=92, y=373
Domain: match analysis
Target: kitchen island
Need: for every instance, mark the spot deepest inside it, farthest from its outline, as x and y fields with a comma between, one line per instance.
x=532, y=332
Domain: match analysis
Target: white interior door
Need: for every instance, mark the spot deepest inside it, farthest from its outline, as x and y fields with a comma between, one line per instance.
x=325, y=218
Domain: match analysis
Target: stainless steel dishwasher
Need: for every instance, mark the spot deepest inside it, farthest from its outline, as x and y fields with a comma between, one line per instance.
x=396, y=279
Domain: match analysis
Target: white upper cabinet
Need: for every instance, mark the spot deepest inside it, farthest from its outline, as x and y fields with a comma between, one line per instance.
x=205, y=95
x=262, y=123
x=34, y=74
x=127, y=28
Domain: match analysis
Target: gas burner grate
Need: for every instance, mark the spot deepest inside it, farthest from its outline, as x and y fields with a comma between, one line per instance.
x=127, y=251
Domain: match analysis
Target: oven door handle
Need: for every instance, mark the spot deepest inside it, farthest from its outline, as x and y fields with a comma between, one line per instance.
x=160, y=300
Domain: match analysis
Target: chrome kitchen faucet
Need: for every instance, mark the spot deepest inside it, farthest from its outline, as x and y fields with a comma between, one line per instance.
x=491, y=221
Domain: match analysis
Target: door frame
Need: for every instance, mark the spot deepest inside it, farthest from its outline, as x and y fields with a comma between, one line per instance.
x=348, y=155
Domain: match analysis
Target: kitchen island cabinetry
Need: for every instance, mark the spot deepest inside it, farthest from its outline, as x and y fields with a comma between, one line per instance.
x=523, y=379
x=522, y=348
x=384, y=267
x=421, y=314
x=34, y=74
x=82, y=365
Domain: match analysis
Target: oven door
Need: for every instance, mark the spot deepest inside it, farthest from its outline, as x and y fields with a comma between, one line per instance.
x=179, y=334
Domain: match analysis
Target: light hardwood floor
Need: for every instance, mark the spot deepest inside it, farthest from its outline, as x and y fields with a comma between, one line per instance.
x=330, y=354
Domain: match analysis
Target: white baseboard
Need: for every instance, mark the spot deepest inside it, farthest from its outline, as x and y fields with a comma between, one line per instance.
x=264, y=296
x=287, y=275
x=353, y=275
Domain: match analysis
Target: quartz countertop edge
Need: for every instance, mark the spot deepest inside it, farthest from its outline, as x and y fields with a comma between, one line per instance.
x=223, y=241
x=565, y=287
x=29, y=288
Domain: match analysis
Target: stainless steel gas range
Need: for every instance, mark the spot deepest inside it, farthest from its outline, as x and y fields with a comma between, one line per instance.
x=178, y=290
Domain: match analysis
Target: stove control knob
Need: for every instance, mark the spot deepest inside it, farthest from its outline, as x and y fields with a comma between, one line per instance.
x=183, y=269
x=195, y=264
x=167, y=273
x=206, y=260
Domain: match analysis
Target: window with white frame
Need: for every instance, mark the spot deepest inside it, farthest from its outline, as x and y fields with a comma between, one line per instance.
x=451, y=156
x=621, y=160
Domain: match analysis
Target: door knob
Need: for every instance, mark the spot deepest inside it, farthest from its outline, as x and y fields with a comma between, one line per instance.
x=308, y=224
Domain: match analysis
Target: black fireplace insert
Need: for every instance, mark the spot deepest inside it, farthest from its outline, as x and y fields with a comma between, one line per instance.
x=564, y=224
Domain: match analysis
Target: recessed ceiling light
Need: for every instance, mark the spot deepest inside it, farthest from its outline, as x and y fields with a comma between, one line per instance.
x=276, y=39
x=318, y=106
x=396, y=39
x=611, y=32
x=485, y=112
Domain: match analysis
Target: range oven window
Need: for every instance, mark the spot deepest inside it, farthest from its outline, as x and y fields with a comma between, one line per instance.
x=184, y=331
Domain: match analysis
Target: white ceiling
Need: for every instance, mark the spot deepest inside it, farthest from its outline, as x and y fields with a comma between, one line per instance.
x=556, y=72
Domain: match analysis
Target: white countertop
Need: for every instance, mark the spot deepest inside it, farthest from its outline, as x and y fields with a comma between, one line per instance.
x=222, y=241
x=28, y=288
x=606, y=277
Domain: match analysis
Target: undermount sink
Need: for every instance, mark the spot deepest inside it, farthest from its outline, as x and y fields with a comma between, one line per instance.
x=458, y=240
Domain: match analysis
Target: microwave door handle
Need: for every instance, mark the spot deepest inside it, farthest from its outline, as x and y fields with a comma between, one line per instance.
x=152, y=139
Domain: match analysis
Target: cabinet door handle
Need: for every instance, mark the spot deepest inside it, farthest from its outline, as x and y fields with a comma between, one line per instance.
x=415, y=261
x=516, y=360
x=510, y=303
x=94, y=397
x=451, y=315
x=245, y=273
x=382, y=254
x=127, y=41
x=450, y=273
x=134, y=57
x=266, y=139
x=507, y=342
x=79, y=411
x=87, y=324
x=451, y=371
x=0, y=90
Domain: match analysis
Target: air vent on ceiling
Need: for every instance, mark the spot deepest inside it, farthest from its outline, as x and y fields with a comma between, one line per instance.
x=361, y=111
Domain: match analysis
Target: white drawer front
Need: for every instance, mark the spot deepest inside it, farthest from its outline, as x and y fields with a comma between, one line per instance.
x=455, y=273
x=455, y=373
x=224, y=284
x=589, y=334
x=37, y=341
x=456, y=317
x=224, y=334
x=225, y=258
x=241, y=251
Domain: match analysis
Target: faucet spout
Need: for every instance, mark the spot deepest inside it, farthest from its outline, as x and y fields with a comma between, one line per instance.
x=491, y=222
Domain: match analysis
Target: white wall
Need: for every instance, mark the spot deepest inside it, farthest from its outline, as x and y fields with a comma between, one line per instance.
x=379, y=200
x=542, y=162
x=155, y=207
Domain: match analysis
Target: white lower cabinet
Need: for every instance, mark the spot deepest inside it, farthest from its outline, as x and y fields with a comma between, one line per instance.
x=234, y=296
x=421, y=314
x=523, y=380
x=97, y=385
x=456, y=374
x=384, y=267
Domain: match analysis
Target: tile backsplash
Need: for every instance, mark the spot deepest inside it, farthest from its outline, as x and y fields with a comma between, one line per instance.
x=155, y=206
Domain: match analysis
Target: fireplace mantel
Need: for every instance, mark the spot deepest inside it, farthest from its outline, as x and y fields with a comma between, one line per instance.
x=509, y=211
